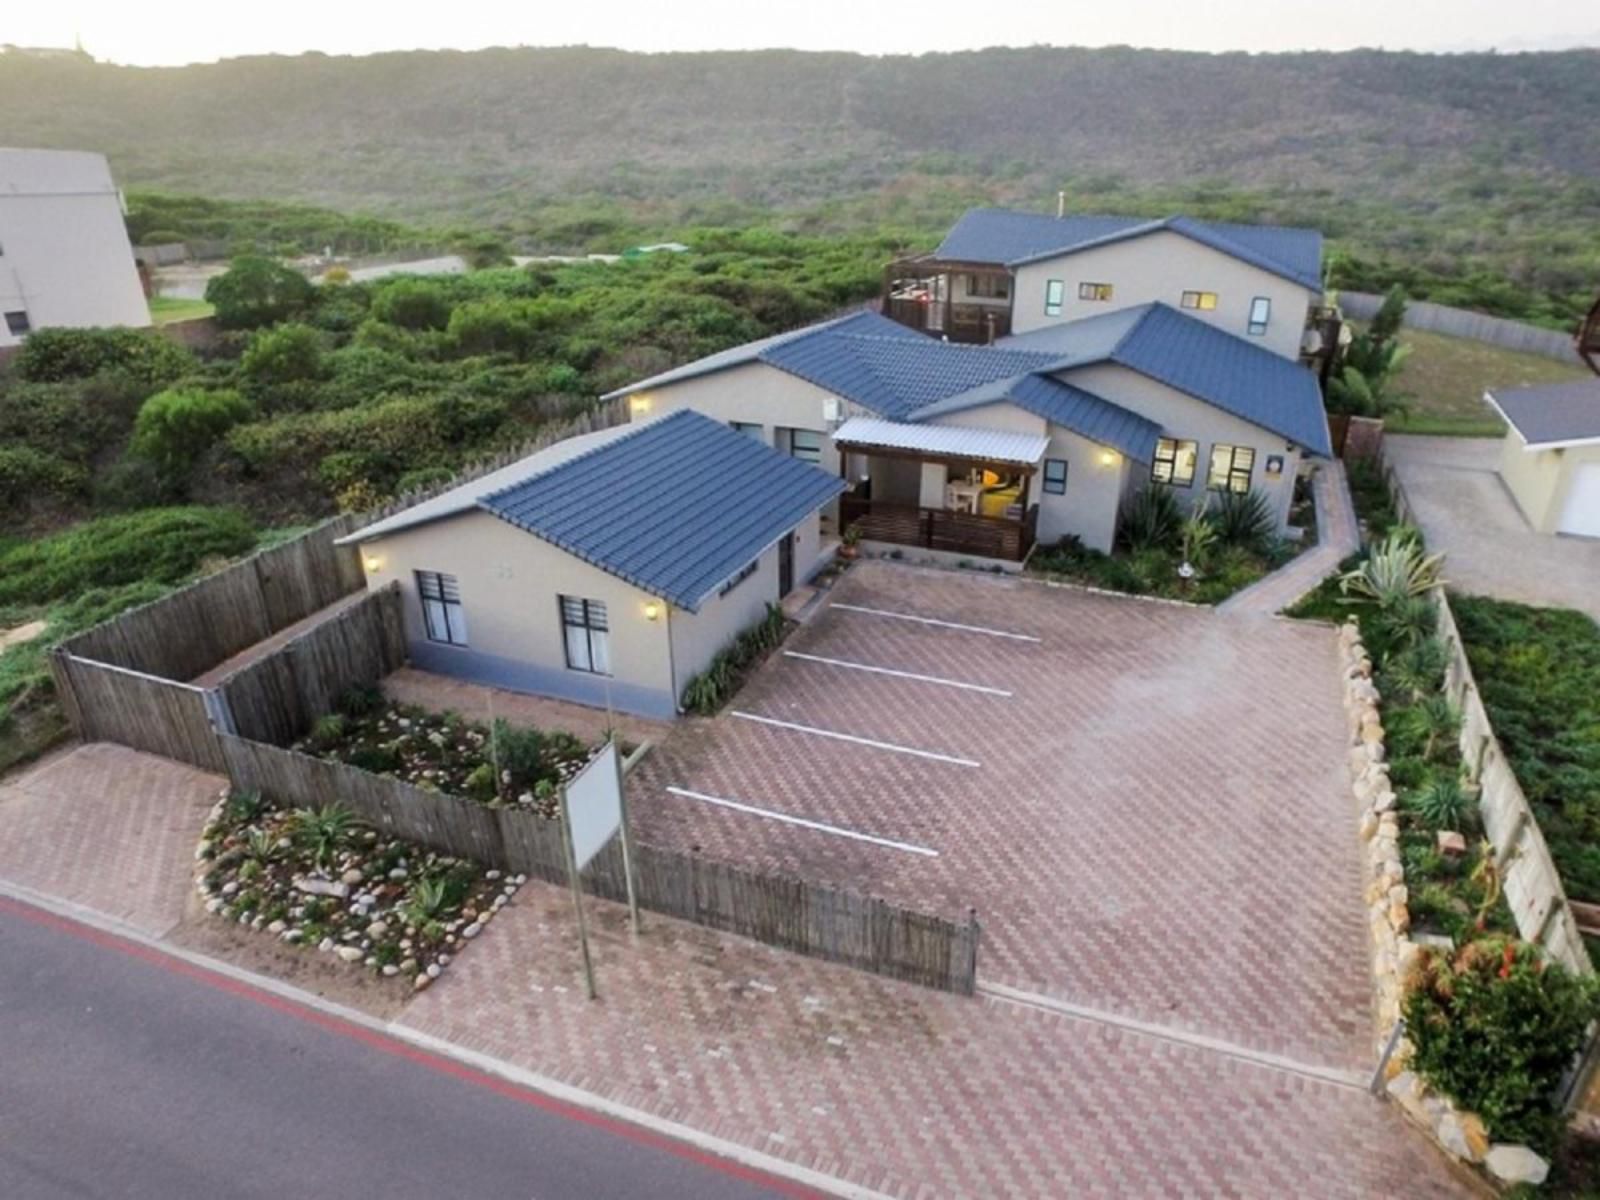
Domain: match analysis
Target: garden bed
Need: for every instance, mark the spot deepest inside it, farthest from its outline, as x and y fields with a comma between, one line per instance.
x=322, y=880
x=498, y=766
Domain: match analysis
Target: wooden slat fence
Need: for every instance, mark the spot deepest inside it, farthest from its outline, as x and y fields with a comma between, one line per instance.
x=1531, y=882
x=788, y=912
x=107, y=703
x=1464, y=323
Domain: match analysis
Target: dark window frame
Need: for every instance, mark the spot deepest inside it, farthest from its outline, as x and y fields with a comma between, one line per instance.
x=1195, y=301
x=751, y=429
x=1054, y=487
x=1169, y=452
x=810, y=454
x=1235, y=474
x=18, y=323
x=1258, y=325
x=438, y=587
x=988, y=287
x=592, y=619
x=1095, y=292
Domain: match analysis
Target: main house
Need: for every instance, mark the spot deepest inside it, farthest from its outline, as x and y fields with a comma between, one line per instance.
x=1139, y=354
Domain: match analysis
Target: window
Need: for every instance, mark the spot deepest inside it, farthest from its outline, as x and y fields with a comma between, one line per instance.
x=441, y=608
x=1055, y=476
x=1174, y=461
x=1204, y=301
x=584, y=629
x=749, y=429
x=988, y=287
x=1094, y=291
x=17, y=322
x=745, y=572
x=1230, y=468
x=1055, y=292
x=805, y=444
x=1260, y=314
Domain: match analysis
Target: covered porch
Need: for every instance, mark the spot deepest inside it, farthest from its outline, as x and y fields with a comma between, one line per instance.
x=960, y=301
x=943, y=488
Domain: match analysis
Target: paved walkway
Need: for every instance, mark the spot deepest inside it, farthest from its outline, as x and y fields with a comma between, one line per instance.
x=1338, y=537
x=1463, y=508
x=914, y=1093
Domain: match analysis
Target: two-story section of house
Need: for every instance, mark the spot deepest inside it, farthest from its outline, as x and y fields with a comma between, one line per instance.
x=1000, y=272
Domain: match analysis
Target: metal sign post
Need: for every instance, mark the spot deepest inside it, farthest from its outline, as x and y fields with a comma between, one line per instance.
x=627, y=838
x=577, y=895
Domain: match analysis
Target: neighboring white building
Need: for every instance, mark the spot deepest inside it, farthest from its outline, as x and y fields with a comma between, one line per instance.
x=64, y=252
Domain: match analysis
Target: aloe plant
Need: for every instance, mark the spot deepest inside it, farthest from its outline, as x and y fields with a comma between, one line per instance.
x=1397, y=568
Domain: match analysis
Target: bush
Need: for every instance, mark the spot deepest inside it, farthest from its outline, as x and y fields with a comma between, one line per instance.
x=1245, y=519
x=28, y=475
x=256, y=291
x=1442, y=802
x=53, y=355
x=1495, y=1027
x=1396, y=569
x=177, y=426
x=288, y=353
x=360, y=701
x=423, y=478
x=166, y=545
x=528, y=758
x=705, y=692
x=1151, y=520
x=412, y=304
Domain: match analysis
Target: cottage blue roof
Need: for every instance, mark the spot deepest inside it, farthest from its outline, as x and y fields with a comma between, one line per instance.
x=998, y=235
x=1199, y=359
x=675, y=506
x=1066, y=405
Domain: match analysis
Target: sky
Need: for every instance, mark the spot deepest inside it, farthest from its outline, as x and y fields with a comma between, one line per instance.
x=171, y=32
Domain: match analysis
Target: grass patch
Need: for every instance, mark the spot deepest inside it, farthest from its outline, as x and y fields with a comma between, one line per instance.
x=1445, y=378
x=166, y=309
x=1538, y=672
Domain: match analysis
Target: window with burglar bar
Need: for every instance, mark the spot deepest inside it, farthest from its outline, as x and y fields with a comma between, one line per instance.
x=441, y=608
x=586, y=633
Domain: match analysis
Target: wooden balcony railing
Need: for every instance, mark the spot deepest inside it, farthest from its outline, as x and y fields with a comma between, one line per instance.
x=940, y=529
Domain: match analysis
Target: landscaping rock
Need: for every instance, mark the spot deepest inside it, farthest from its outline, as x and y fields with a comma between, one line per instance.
x=349, y=954
x=471, y=931
x=321, y=887
x=390, y=970
x=377, y=929
x=1456, y=1131
x=352, y=876
x=1515, y=1164
x=1451, y=843
x=434, y=970
x=277, y=927
x=230, y=888
x=422, y=982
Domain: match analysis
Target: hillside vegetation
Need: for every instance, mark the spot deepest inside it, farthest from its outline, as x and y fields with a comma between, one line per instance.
x=1476, y=173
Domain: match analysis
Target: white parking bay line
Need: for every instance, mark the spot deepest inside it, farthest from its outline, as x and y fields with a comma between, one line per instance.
x=802, y=822
x=860, y=741
x=855, y=666
x=983, y=629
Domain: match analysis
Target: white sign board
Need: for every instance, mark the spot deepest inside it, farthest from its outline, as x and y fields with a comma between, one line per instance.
x=594, y=805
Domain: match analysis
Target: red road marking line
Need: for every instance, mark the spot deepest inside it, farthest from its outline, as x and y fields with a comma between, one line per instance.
x=425, y=1058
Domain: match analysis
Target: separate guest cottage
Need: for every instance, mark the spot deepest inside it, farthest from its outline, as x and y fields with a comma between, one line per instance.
x=607, y=569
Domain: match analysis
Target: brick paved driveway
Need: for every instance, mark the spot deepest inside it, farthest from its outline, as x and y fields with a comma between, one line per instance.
x=1159, y=824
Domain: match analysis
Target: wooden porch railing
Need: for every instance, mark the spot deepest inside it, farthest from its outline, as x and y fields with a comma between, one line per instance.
x=940, y=529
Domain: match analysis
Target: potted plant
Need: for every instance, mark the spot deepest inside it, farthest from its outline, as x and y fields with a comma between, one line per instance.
x=851, y=543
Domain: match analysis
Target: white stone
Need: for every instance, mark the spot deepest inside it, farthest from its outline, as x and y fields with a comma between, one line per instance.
x=352, y=876
x=350, y=954
x=325, y=944
x=390, y=970
x=214, y=904
x=277, y=927
x=397, y=874
x=230, y=888
x=1452, y=1135
x=1515, y=1164
x=293, y=935
x=491, y=874
x=377, y=929
x=471, y=931
x=434, y=970
x=321, y=887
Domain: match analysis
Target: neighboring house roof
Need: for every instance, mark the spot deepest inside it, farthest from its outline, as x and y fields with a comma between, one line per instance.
x=1553, y=416
x=998, y=235
x=677, y=507
x=861, y=321
x=1198, y=359
x=957, y=441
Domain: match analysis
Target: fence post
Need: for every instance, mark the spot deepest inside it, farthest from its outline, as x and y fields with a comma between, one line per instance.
x=577, y=894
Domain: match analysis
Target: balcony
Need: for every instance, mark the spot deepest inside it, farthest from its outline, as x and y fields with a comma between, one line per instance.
x=1004, y=538
x=963, y=302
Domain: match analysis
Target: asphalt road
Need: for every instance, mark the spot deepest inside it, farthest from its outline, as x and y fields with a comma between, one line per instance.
x=124, y=1075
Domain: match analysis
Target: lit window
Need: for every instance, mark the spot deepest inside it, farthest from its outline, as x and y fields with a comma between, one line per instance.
x=1231, y=467
x=1260, y=314
x=18, y=323
x=750, y=429
x=1175, y=461
x=584, y=629
x=1055, y=476
x=1094, y=291
x=805, y=444
x=1204, y=301
x=1055, y=293
x=441, y=608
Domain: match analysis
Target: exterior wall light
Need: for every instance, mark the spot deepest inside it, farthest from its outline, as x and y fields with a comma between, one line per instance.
x=652, y=610
x=372, y=563
x=640, y=404
x=1108, y=458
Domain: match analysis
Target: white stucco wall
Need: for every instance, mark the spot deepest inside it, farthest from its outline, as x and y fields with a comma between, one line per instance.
x=64, y=253
x=696, y=637
x=1183, y=417
x=1162, y=266
x=1541, y=480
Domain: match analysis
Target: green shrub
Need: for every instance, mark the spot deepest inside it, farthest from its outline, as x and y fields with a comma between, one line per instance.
x=1152, y=520
x=412, y=304
x=1245, y=519
x=705, y=692
x=528, y=758
x=360, y=701
x=1495, y=1027
x=1396, y=569
x=480, y=783
x=165, y=545
x=53, y=355
x=1442, y=802
x=380, y=760
x=256, y=291
x=329, y=730
x=285, y=354
x=423, y=478
x=177, y=426
x=28, y=476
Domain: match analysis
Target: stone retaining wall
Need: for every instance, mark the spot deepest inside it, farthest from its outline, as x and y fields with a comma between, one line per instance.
x=1460, y=1134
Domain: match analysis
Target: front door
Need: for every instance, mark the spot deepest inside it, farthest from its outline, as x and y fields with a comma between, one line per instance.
x=785, y=565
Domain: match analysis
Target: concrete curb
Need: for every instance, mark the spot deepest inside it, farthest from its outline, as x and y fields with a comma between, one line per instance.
x=399, y=1031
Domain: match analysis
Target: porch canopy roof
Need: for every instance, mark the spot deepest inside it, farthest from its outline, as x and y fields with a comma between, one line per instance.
x=942, y=441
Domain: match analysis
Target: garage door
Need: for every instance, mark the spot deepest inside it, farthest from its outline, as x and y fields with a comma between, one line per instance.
x=1581, y=513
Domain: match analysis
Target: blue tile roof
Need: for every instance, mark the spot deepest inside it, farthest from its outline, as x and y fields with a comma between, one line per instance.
x=1203, y=361
x=676, y=507
x=997, y=235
